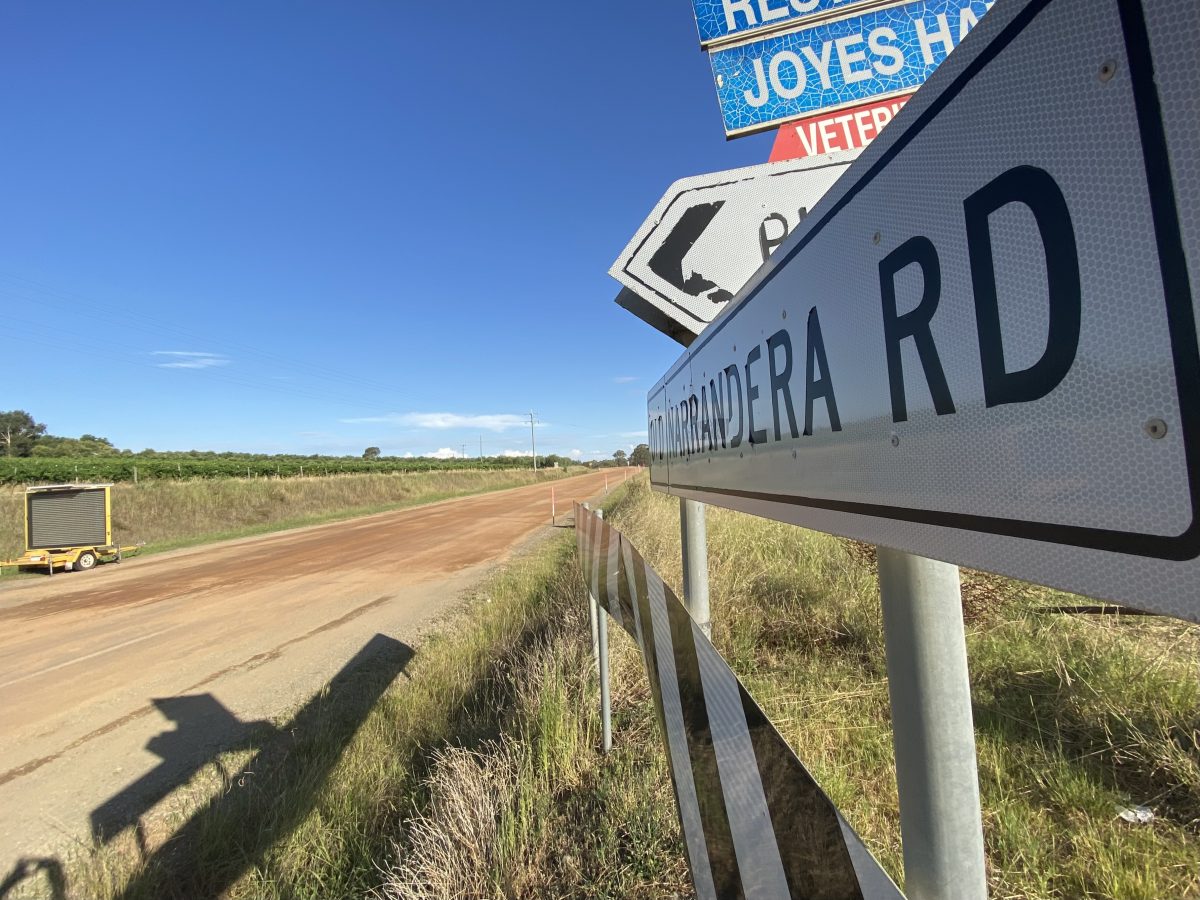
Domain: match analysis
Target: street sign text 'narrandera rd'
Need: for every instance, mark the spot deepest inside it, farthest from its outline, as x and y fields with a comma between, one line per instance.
x=981, y=345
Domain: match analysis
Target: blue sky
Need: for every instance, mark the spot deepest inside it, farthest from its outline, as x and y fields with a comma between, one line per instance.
x=313, y=227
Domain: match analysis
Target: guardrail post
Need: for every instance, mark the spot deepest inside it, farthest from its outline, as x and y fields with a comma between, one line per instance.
x=602, y=665
x=695, y=562
x=936, y=771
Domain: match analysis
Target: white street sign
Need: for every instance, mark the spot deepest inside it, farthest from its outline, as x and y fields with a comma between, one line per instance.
x=708, y=234
x=981, y=345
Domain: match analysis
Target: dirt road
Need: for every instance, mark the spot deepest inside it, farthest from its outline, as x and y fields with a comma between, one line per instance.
x=215, y=639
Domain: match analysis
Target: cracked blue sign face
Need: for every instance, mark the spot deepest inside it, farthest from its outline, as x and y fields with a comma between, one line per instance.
x=841, y=63
x=720, y=19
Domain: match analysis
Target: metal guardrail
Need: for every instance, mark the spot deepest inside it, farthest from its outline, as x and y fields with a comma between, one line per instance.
x=755, y=822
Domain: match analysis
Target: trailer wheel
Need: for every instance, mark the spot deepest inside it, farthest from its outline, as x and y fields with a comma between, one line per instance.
x=86, y=560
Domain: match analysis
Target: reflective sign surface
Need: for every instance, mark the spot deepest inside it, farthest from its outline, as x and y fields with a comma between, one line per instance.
x=981, y=345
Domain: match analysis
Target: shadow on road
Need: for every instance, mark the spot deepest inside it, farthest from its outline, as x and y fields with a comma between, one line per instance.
x=26, y=869
x=204, y=730
x=277, y=788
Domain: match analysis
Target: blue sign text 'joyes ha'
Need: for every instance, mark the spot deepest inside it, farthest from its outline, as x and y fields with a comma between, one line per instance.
x=717, y=20
x=839, y=63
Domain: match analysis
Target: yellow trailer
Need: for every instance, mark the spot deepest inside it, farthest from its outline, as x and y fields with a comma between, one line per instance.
x=69, y=526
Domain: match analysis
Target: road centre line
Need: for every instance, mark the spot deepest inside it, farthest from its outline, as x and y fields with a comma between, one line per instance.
x=87, y=656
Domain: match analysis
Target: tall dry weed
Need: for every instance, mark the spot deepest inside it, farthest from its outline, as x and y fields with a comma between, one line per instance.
x=451, y=849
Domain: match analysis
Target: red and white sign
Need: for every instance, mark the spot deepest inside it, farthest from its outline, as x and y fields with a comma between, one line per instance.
x=846, y=129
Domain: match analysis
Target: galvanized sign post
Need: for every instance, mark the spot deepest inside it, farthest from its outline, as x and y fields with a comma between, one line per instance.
x=933, y=732
x=602, y=665
x=694, y=534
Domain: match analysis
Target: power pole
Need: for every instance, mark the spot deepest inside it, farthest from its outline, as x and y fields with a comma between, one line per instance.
x=533, y=440
x=464, y=449
x=481, y=446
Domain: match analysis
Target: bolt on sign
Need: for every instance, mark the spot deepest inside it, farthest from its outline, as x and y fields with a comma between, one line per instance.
x=710, y=233
x=980, y=345
x=755, y=822
x=871, y=54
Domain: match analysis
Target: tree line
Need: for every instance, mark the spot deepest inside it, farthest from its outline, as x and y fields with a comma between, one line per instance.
x=22, y=436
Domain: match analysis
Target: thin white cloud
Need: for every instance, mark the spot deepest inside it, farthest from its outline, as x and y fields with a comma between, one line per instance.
x=575, y=454
x=444, y=453
x=632, y=434
x=190, y=359
x=445, y=420
x=624, y=379
x=512, y=454
x=408, y=455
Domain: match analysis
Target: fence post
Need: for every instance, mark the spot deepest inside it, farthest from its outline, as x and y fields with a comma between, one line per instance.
x=553, y=516
x=695, y=562
x=602, y=664
x=941, y=824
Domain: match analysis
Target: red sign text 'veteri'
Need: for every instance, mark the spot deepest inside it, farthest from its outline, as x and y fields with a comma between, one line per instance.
x=845, y=129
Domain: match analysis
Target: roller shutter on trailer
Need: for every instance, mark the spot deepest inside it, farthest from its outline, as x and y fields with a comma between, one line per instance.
x=66, y=519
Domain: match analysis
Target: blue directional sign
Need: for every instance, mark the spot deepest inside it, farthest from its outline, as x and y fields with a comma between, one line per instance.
x=730, y=19
x=838, y=63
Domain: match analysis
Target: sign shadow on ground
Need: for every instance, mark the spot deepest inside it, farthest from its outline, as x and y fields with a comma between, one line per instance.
x=30, y=867
x=204, y=729
x=281, y=785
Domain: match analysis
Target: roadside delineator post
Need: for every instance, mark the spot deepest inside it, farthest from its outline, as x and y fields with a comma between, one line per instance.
x=936, y=771
x=553, y=516
x=602, y=666
x=695, y=562
x=593, y=611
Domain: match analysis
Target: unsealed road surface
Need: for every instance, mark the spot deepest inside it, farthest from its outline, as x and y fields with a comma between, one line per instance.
x=117, y=684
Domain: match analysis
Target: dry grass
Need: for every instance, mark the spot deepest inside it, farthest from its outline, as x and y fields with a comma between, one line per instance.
x=539, y=813
x=1075, y=715
x=168, y=514
x=479, y=777
x=482, y=778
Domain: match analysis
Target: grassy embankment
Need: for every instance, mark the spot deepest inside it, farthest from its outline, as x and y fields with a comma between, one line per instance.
x=480, y=777
x=475, y=776
x=171, y=514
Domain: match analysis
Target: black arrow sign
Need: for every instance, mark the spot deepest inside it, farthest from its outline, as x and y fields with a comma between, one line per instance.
x=667, y=261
